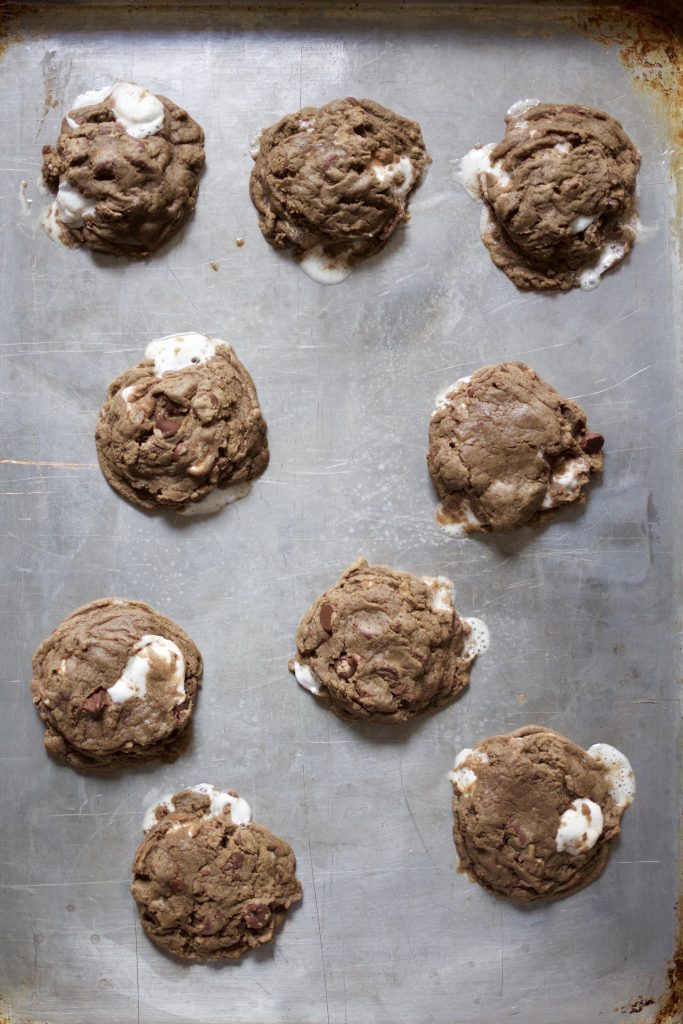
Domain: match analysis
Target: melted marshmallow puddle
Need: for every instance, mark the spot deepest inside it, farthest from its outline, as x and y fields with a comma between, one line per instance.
x=216, y=500
x=255, y=144
x=322, y=268
x=475, y=165
x=478, y=639
x=567, y=479
x=443, y=593
x=464, y=779
x=140, y=113
x=447, y=397
x=400, y=175
x=618, y=767
x=133, y=680
x=459, y=528
x=135, y=108
x=580, y=827
x=178, y=351
x=240, y=810
x=521, y=107
x=612, y=254
x=305, y=678
x=150, y=818
x=68, y=209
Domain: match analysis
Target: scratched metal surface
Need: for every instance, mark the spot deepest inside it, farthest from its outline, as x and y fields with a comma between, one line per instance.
x=580, y=614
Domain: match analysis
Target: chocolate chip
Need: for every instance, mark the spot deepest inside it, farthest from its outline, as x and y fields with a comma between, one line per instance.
x=234, y=863
x=400, y=688
x=168, y=427
x=326, y=613
x=346, y=666
x=591, y=442
x=386, y=672
x=176, y=884
x=97, y=701
x=178, y=452
x=214, y=401
x=256, y=916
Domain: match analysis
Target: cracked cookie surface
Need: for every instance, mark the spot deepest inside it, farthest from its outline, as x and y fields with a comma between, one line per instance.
x=183, y=428
x=125, y=169
x=334, y=181
x=209, y=883
x=560, y=195
x=383, y=645
x=507, y=450
x=534, y=814
x=115, y=683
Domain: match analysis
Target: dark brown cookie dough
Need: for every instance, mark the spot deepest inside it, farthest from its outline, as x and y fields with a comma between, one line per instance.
x=560, y=194
x=534, y=814
x=335, y=180
x=209, y=883
x=126, y=171
x=385, y=645
x=115, y=683
x=506, y=450
x=183, y=427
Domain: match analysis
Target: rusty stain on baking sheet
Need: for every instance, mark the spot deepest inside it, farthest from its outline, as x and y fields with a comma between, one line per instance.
x=671, y=1005
x=650, y=41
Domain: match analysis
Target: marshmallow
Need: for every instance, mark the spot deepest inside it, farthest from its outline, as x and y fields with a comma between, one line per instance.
x=580, y=828
x=133, y=680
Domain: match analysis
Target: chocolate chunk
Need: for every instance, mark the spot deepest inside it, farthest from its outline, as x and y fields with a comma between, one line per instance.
x=591, y=442
x=97, y=701
x=256, y=916
x=167, y=426
x=326, y=613
x=235, y=861
x=346, y=666
x=176, y=884
x=178, y=452
x=400, y=688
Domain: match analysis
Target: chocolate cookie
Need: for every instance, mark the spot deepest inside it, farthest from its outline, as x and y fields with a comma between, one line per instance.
x=183, y=429
x=126, y=171
x=209, y=883
x=506, y=450
x=332, y=183
x=559, y=194
x=115, y=683
x=386, y=645
x=534, y=815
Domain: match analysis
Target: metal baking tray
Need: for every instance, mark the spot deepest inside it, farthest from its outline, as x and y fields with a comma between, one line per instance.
x=582, y=614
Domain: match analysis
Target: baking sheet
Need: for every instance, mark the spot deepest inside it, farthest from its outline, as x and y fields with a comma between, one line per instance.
x=582, y=614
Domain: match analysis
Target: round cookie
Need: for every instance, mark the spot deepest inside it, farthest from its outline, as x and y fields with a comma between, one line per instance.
x=125, y=169
x=332, y=183
x=209, y=883
x=559, y=190
x=506, y=450
x=534, y=814
x=183, y=429
x=385, y=645
x=115, y=683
